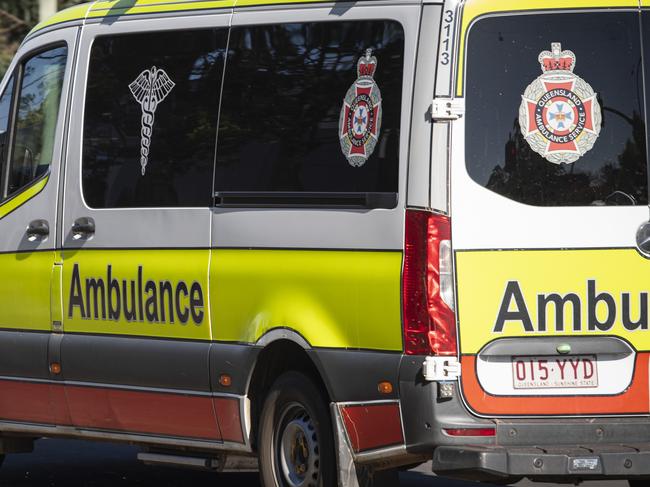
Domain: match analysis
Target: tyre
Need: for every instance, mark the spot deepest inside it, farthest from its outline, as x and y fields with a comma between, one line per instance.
x=296, y=444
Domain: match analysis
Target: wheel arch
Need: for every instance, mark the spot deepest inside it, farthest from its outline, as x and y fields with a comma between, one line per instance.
x=283, y=350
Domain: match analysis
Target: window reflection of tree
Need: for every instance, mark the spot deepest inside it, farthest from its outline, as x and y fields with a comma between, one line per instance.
x=527, y=177
x=296, y=76
x=38, y=109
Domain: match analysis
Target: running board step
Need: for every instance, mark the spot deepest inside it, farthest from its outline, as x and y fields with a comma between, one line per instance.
x=162, y=459
x=220, y=463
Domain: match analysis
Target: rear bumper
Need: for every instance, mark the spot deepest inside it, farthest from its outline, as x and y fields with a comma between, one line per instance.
x=578, y=462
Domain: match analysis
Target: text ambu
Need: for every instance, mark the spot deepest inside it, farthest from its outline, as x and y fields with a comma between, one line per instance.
x=599, y=313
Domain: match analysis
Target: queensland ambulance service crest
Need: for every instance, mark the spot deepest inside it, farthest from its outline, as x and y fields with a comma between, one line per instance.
x=360, y=120
x=559, y=114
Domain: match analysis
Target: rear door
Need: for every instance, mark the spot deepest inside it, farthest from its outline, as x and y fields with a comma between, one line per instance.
x=549, y=188
x=136, y=227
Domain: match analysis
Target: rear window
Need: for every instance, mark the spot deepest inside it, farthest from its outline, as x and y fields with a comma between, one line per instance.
x=555, y=111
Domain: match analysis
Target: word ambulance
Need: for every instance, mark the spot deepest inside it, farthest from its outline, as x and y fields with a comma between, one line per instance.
x=602, y=310
x=135, y=299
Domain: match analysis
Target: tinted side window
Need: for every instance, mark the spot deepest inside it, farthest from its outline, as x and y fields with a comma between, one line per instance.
x=282, y=107
x=502, y=67
x=151, y=119
x=36, y=118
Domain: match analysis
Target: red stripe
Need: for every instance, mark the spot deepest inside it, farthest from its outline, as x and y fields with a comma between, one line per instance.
x=143, y=412
x=229, y=419
x=373, y=426
x=32, y=402
x=155, y=413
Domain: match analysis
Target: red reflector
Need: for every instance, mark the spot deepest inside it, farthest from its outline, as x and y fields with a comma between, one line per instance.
x=429, y=324
x=470, y=432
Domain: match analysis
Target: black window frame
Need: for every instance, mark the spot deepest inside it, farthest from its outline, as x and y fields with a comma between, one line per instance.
x=18, y=75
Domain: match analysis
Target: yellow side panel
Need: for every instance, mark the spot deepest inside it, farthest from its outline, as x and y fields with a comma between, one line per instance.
x=475, y=8
x=610, y=287
x=147, y=307
x=25, y=290
x=332, y=298
x=253, y=3
x=106, y=8
x=77, y=12
x=119, y=7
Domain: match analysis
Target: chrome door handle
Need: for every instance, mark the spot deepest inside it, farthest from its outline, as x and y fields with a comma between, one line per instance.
x=38, y=230
x=83, y=228
x=643, y=238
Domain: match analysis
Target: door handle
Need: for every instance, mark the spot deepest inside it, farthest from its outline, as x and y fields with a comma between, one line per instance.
x=38, y=230
x=83, y=228
x=643, y=238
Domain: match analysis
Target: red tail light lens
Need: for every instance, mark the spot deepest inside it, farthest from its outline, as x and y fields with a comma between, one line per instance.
x=429, y=321
x=471, y=431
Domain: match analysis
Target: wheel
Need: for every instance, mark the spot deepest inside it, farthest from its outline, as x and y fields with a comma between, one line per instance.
x=296, y=444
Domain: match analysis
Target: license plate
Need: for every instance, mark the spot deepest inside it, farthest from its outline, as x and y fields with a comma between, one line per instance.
x=551, y=372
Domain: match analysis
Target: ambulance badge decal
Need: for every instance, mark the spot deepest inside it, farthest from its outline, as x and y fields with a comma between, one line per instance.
x=559, y=115
x=150, y=89
x=360, y=120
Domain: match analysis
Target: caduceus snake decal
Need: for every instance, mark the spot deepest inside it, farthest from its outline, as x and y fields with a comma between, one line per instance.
x=150, y=89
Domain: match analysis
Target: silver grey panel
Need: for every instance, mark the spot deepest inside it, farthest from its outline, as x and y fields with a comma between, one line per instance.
x=419, y=173
x=42, y=206
x=52, y=28
x=440, y=157
x=300, y=228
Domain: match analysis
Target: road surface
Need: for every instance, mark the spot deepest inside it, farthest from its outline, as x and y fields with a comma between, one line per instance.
x=68, y=463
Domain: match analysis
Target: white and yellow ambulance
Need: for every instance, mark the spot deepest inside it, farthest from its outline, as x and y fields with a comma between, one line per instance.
x=332, y=240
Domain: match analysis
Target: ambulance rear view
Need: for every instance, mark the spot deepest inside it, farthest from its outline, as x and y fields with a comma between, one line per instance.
x=549, y=229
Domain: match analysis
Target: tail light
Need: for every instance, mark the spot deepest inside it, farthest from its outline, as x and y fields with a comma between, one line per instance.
x=470, y=431
x=427, y=286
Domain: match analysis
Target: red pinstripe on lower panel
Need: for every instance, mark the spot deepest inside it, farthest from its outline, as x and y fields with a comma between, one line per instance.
x=33, y=402
x=164, y=414
x=372, y=426
x=143, y=412
x=229, y=419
